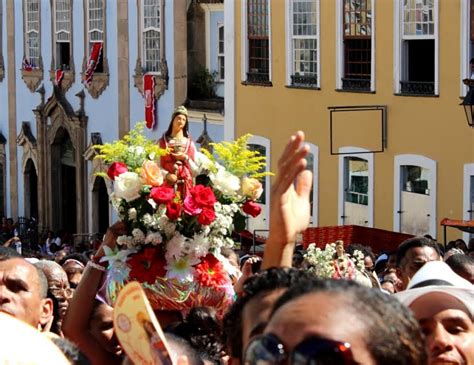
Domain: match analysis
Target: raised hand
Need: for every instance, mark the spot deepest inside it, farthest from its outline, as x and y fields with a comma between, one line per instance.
x=290, y=206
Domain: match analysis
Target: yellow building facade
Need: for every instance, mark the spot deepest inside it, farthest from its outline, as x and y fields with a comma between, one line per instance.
x=404, y=162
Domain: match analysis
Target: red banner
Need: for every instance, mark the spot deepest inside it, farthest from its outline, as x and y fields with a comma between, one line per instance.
x=26, y=66
x=94, y=57
x=58, y=77
x=149, y=95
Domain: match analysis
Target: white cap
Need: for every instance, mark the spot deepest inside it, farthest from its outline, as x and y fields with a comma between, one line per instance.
x=438, y=277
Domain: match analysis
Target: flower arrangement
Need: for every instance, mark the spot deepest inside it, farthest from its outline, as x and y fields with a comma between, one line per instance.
x=333, y=262
x=173, y=242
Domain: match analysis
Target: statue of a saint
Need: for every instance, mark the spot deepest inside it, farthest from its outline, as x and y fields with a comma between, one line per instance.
x=181, y=154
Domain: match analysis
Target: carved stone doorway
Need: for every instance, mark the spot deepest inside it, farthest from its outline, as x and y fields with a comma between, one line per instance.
x=63, y=182
x=31, y=189
x=100, y=206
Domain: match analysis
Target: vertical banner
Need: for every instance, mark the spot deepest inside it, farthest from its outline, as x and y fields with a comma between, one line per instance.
x=96, y=53
x=149, y=95
x=58, y=77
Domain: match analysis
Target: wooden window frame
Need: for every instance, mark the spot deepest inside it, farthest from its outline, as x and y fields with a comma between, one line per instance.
x=70, y=65
x=142, y=38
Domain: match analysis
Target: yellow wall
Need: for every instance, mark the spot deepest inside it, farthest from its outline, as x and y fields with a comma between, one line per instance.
x=434, y=127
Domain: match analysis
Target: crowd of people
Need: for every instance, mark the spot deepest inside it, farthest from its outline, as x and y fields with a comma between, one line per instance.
x=417, y=306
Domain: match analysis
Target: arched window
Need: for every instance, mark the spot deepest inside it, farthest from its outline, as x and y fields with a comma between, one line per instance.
x=62, y=35
x=415, y=195
x=32, y=33
x=313, y=165
x=262, y=145
x=356, y=187
x=468, y=196
x=95, y=29
x=151, y=40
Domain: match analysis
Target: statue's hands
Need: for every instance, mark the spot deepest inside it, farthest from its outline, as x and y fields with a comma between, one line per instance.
x=290, y=205
x=180, y=156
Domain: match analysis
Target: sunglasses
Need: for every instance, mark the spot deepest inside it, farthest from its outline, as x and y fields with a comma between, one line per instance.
x=314, y=350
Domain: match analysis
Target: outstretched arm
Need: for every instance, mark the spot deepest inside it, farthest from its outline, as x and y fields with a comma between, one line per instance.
x=76, y=322
x=290, y=207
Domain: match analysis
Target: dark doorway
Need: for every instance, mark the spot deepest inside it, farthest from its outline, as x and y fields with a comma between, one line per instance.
x=63, y=178
x=101, y=199
x=31, y=190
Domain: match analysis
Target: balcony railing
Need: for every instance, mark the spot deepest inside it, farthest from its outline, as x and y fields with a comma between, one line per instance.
x=356, y=84
x=417, y=87
x=258, y=77
x=303, y=80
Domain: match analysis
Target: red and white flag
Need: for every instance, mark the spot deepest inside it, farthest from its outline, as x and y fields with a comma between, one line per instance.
x=96, y=53
x=150, y=102
x=58, y=77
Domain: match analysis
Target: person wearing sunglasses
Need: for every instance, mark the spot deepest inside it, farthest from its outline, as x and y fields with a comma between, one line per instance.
x=337, y=322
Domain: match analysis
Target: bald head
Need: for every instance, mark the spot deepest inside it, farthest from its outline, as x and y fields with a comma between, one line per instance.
x=23, y=291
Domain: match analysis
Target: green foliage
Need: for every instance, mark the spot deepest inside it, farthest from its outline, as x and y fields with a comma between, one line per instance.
x=203, y=84
x=238, y=159
x=133, y=149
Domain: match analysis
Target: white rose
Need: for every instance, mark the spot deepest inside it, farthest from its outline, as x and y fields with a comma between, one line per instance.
x=252, y=188
x=225, y=182
x=127, y=186
x=203, y=162
x=132, y=214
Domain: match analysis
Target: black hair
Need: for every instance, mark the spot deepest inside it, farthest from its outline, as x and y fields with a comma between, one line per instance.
x=265, y=282
x=71, y=351
x=471, y=61
x=203, y=332
x=366, y=250
x=460, y=264
x=392, y=335
x=182, y=347
x=414, y=242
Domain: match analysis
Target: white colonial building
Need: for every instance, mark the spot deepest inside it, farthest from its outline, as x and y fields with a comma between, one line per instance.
x=72, y=75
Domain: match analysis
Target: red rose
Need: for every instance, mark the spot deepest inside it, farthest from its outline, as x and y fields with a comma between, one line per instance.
x=116, y=169
x=251, y=208
x=203, y=196
x=162, y=194
x=206, y=217
x=173, y=210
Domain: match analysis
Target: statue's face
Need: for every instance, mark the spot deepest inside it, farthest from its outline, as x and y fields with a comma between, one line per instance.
x=339, y=249
x=179, y=122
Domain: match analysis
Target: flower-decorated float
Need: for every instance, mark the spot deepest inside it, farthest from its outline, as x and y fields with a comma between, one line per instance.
x=333, y=262
x=177, y=227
